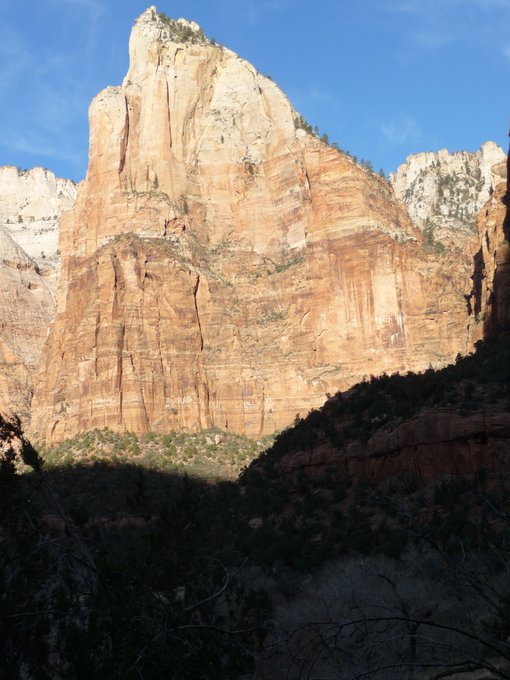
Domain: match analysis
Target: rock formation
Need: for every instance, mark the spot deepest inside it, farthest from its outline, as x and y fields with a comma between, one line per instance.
x=223, y=267
x=437, y=443
x=31, y=203
x=435, y=425
x=444, y=192
x=27, y=308
x=490, y=298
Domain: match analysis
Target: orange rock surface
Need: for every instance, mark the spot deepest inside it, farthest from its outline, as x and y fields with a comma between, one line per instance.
x=223, y=267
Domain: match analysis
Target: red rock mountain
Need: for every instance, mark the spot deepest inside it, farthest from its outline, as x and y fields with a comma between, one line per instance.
x=222, y=266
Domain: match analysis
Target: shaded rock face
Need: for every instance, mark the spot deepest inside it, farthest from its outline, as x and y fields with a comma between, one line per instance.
x=27, y=308
x=222, y=267
x=434, y=444
x=490, y=298
x=444, y=191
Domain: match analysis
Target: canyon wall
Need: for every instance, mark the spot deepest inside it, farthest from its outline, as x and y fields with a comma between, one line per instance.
x=444, y=192
x=223, y=267
x=490, y=297
x=26, y=309
x=31, y=203
x=459, y=424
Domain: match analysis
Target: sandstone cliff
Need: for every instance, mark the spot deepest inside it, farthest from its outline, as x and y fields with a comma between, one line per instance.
x=490, y=297
x=427, y=427
x=222, y=267
x=444, y=191
x=27, y=308
x=434, y=425
x=31, y=203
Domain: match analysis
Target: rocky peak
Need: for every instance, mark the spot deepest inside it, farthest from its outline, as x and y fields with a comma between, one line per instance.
x=190, y=105
x=444, y=191
x=154, y=26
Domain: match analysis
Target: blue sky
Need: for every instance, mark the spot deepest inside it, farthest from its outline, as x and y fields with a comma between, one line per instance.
x=383, y=78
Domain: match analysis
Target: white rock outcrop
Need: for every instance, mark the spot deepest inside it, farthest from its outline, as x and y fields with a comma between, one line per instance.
x=31, y=203
x=444, y=191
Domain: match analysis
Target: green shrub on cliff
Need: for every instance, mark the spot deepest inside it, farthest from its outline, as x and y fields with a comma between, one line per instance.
x=182, y=32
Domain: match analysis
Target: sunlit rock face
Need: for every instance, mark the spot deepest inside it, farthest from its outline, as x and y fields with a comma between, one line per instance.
x=223, y=267
x=444, y=192
x=31, y=203
x=26, y=310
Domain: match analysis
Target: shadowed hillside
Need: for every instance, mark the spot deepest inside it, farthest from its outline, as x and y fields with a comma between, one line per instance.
x=114, y=570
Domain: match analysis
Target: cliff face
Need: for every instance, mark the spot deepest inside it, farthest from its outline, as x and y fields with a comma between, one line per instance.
x=490, y=298
x=444, y=191
x=429, y=426
x=435, y=444
x=27, y=307
x=31, y=203
x=222, y=267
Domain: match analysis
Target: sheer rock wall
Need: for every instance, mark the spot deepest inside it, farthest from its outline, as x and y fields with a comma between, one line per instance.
x=223, y=267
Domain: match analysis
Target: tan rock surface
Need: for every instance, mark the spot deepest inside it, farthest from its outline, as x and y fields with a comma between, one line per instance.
x=26, y=310
x=439, y=441
x=223, y=267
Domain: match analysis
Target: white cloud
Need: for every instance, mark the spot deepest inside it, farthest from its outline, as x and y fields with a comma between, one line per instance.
x=398, y=131
x=95, y=7
x=94, y=10
x=321, y=96
x=317, y=104
x=15, y=58
x=46, y=82
x=435, y=24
